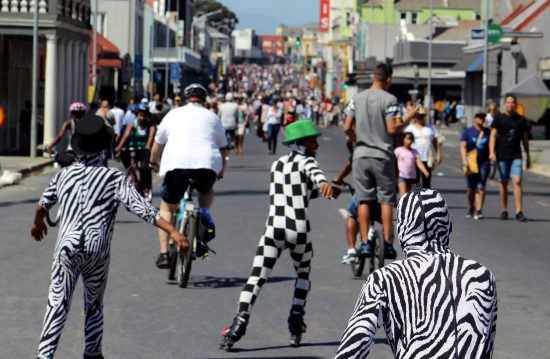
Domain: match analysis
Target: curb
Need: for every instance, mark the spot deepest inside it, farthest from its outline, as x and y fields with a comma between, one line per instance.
x=25, y=172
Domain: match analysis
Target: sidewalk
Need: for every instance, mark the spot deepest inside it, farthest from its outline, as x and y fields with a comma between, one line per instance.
x=24, y=165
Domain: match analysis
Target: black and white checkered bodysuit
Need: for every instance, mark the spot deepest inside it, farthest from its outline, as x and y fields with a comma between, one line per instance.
x=89, y=195
x=295, y=180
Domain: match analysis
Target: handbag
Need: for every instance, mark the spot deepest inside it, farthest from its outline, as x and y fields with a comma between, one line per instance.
x=471, y=158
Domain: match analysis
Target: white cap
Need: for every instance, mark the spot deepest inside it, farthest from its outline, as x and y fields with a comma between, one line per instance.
x=229, y=96
x=144, y=100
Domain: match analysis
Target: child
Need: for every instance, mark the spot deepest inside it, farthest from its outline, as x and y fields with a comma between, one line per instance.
x=89, y=194
x=295, y=179
x=407, y=161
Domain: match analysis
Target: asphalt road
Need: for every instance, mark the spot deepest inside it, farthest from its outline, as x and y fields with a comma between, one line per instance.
x=148, y=317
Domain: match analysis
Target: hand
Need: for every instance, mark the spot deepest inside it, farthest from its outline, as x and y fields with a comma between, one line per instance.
x=528, y=163
x=326, y=190
x=180, y=240
x=427, y=174
x=154, y=166
x=336, y=191
x=220, y=175
x=49, y=149
x=413, y=112
x=464, y=163
x=492, y=157
x=39, y=230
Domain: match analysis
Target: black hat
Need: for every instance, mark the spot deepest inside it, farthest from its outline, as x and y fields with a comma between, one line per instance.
x=92, y=135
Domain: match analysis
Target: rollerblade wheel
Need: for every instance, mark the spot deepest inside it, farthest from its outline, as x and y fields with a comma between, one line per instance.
x=226, y=344
x=295, y=340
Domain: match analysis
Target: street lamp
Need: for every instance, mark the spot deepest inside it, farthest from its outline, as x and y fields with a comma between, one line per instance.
x=198, y=19
x=34, y=108
x=428, y=102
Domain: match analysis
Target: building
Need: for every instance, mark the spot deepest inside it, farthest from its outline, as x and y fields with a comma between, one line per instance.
x=274, y=44
x=64, y=38
x=246, y=45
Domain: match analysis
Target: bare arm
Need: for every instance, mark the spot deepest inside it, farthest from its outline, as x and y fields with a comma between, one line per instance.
x=492, y=144
x=348, y=128
x=223, y=152
x=393, y=126
x=156, y=153
x=437, y=146
x=126, y=136
x=39, y=229
x=421, y=167
x=59, y=137
x=525, y=141
x=463, y=151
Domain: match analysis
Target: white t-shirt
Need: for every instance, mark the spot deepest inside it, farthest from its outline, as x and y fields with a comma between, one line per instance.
x=192, y=136
x=423, y=139
x=228, y=115
x=118, y=114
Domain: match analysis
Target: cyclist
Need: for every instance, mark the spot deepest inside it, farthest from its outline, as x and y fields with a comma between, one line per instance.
x=193, y=146
x=139, y=135
x=77, y=110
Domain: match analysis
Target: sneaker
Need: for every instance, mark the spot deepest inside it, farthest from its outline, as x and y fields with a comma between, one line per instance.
x=503, y=216
x=389, y=251
x=521, y=217
x=365, y=248
x=478, y=215
x=350, y=257
x=470, y=213
x=163, y=261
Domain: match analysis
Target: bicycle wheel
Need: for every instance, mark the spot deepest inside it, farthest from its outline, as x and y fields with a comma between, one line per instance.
x=377, y=256
x=358, y=267
x=183, y=266
x=173, y=255
x=53, y=216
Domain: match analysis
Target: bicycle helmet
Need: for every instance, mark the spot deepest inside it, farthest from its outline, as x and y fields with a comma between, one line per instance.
x=142, y=107
x=195, y=92
x=77, y=107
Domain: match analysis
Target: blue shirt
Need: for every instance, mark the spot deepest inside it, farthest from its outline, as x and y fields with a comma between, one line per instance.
x=470, y=136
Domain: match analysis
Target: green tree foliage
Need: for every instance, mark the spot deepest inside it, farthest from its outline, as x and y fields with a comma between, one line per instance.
x=224, y=22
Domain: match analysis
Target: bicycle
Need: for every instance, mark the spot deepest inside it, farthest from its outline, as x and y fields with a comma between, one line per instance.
x=186, y=219
x=133, y=171
x=377, y=256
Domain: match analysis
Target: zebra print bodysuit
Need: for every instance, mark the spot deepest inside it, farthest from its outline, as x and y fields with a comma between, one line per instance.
x=434, y=303
x=88, y=194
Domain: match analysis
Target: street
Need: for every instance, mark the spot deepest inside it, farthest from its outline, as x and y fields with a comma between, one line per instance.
x=147, y=316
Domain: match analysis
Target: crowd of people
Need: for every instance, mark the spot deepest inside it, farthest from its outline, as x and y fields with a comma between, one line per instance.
x=393, y=150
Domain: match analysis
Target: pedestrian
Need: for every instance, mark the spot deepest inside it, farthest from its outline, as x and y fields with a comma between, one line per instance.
x=434, y=303
x=492, y=111
x=229, y=115
x=273, y=122
x=25, y=126
x=295, y=178
x=105, y=112
x=117, y=113
x=408, y=160
x=474, y=151
x=153, y=103
x=509, y=131
x=89, y=195
x=242, y=124
x=373, y=112
x=426, y=142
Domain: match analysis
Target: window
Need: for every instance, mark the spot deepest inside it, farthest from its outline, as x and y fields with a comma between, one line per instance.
x=101, y=25
x=414, y=17
x=403, y=16
x=478, y=16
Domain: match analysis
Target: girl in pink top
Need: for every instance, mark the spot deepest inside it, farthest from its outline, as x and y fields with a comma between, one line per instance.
x=407, y=162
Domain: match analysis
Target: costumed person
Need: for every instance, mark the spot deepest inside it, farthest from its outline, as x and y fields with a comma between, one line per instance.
x=295, y=179
x=88, y=194
x=433, y=303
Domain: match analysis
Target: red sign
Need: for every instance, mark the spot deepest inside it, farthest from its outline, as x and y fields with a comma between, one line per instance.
x=2, y=116
x=324, y=19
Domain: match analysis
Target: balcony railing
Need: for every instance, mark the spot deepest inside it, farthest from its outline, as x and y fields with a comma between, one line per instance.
x=71, y=11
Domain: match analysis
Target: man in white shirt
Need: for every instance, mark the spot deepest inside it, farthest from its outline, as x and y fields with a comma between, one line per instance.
x=229, y=112
x=193, y=146
x=117, y=113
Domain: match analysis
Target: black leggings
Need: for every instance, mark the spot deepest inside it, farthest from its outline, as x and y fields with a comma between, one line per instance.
x=142, y=165
x=426, y=181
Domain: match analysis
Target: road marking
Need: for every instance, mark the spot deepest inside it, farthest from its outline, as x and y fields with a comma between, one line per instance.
x=343, y=212
x=325, y=138
x=543, y=203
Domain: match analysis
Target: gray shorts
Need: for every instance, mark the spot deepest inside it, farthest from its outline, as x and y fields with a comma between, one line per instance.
x=374, y=179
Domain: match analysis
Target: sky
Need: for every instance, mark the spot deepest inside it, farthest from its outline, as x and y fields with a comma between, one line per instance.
x=265, y=15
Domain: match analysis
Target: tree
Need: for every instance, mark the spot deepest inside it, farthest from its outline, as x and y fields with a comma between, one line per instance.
x=224, y=22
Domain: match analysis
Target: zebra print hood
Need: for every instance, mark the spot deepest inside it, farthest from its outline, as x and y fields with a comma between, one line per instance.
x=96, y=160
x=415, y=234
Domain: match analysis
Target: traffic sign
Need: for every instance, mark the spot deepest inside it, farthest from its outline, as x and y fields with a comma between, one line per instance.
x=175, y=72
x=477, y=33
x=495, y=33
x=138, y=66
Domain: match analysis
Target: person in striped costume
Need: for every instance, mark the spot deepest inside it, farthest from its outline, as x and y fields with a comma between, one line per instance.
x=89, y=195
x=295, y=179
x=434, y=303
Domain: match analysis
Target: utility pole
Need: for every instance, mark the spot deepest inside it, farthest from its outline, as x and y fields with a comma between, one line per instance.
x=430, y=41
x=34, y=108
x=485, y=55
x=386, y=31
x=94, y=49
x=166, y=74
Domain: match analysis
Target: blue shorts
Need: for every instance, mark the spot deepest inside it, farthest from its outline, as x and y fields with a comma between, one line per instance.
x=510, y=168
x=352, y=207
x=409, y=181
x=479, y=180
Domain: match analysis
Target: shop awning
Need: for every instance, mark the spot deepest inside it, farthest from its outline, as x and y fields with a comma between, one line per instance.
x=108, y=55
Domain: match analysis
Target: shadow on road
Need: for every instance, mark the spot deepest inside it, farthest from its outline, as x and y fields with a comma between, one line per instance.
x=229, y=282
x=16, y=203
x=231, y=193
x=280, y=357
x=322, y=344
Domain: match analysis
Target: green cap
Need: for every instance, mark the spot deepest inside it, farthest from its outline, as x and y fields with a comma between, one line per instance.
x=300, y=129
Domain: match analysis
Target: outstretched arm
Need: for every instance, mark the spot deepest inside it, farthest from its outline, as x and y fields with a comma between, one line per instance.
x=365, y=320
x=316, y=175
x=57, y=138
